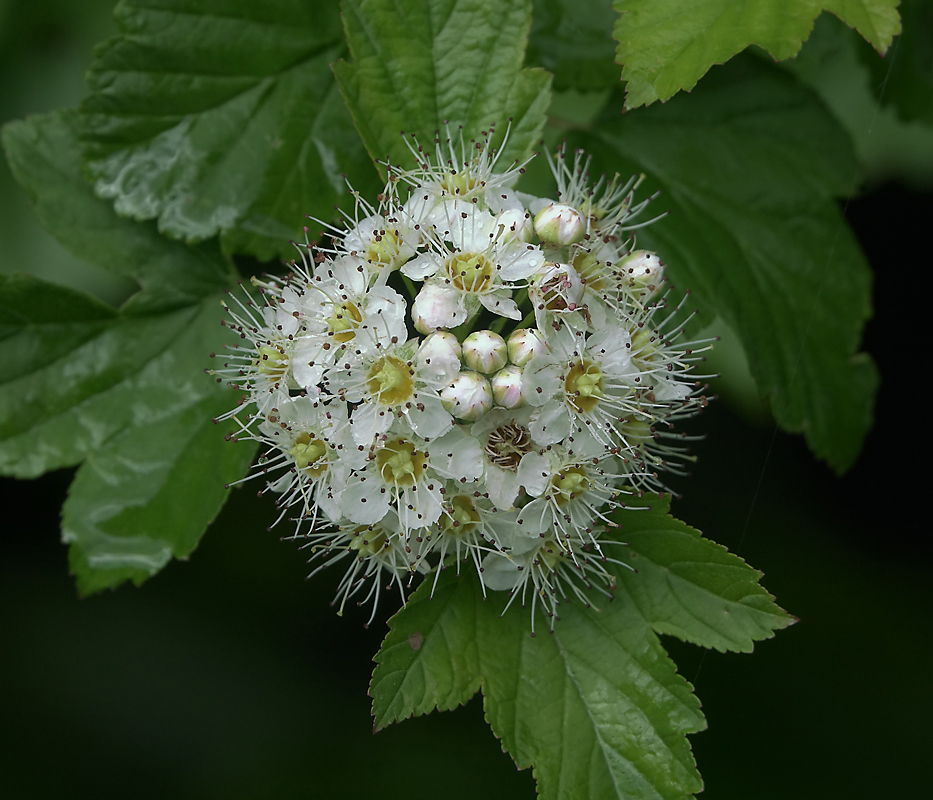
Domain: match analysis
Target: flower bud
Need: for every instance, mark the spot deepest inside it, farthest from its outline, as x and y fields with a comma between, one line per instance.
x=468, y=397
x=642, y=272
x=442, y=341
x=434, y=308
x=559, y=225
x=485, y=352
x=439, y=356
x=524, y=344
x=507, y=387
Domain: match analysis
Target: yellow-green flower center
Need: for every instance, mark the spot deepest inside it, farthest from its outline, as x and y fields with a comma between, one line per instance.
x=635, y=431
x=470, y=272
x=461, y=517
x=550, y=554
x=643, y=344
x=344, y=321
x=584, y=385
x=369, y=543
x=400, y=463
x=460, y=184
x=568, y=484
x=591, y=270
x=310, y=455
x=384, y=249
x=271, y=361
x=390, y=380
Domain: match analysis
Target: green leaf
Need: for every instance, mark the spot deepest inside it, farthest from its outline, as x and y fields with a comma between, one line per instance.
x=125, y=391
x=45, y=158
x=602, y=674
x=573, y=40
x=420, y=63
x=669, y=46
x=749, y=166
x=220, y=117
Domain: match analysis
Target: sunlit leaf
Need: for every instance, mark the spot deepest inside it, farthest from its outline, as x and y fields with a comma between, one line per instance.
x=669, y=46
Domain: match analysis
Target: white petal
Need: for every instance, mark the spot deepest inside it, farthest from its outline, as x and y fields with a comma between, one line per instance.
x=500, y=303
x=457, y=455
x=426, y=501
x=368, y=420
x=520, y=263
x=363, y=500
x=541, y=379
x=502, y=486
x=421, y=267
x=534, y=473
x=500, y=573
x=431, y=419
x=551, y=424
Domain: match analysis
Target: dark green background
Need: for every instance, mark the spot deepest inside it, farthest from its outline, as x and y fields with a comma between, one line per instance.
x=230, y=676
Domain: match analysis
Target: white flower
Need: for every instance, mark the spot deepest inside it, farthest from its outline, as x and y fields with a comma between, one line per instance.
x=513, y=460
x=458, y=282
x=511, y=448
x=585, y=383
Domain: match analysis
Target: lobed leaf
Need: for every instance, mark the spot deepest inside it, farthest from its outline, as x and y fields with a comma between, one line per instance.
x=601, y=674
x=666, y=47
x=219, y=117
x=124, y=391
x=418, y=64
x=749, y=166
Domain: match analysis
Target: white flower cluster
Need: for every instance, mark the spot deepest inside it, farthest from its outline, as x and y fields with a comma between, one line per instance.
x=536, y=396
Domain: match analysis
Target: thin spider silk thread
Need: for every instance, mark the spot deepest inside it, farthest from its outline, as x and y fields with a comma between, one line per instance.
x=806, y=329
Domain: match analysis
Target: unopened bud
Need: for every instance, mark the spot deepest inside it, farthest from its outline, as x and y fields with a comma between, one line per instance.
x=559, y=225
x=507, y=387
x=485, y=352
x=434, y=308
x=642, y=272
x=524, y=344
x=439, y=356
x=442, y=341
x=468, y=397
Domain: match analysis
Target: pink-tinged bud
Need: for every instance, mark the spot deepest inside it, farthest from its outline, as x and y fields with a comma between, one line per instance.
x=642, y=272
x=468, y=397
x=436, y=308
x=485, y=352
x=524, y=344
x=507, y=387
x=559, y=225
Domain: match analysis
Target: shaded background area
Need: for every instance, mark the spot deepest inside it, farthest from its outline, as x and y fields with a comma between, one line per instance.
x=230, y=676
